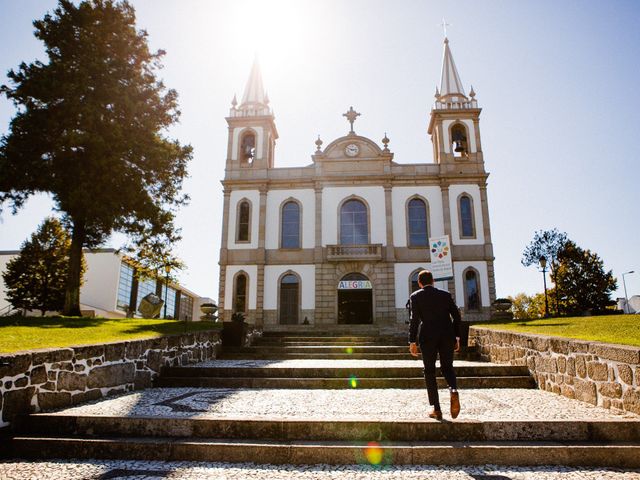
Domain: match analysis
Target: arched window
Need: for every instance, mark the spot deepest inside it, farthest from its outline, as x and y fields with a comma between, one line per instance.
x=243, y=228
x=289, y=299
x=413, y=281
x=459, y=140
x=465, y=213
x=247, y=148
x=471, y=290
x=240, y=293
x=354, y=223
x=290, y=225
x=417, y=223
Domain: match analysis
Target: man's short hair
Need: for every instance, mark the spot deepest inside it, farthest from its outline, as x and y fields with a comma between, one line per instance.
x=425, y=277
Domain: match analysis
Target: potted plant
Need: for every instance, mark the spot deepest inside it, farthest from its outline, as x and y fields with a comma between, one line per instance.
x=235, y=331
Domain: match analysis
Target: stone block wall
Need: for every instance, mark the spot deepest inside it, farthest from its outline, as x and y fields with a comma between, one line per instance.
x=44, y=380
x=602, y=374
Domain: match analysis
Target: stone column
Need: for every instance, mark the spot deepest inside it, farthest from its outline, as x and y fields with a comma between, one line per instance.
x=488, y=246
x=223, y=252
x=446, y=215
x=261, y=256
x=390, y=248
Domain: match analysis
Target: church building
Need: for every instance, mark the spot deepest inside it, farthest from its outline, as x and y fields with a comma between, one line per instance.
x=341, y=241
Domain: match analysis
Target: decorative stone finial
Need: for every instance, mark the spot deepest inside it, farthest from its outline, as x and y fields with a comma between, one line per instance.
x=437, y=94
x=266, y=98
x=385, y=142
x=472, y=93
x=318, y=144
x=234, y=102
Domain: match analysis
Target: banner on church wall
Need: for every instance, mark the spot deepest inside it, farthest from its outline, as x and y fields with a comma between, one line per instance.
x=354, y=285
x=441, y=264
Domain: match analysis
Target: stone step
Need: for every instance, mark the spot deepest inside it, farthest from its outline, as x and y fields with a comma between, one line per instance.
x=609, y=454
x=420, y=430
x=335, y=383
x=328, y=339
x=488, y=370
x=244, y=354
x=312, y=343
x=320, y=349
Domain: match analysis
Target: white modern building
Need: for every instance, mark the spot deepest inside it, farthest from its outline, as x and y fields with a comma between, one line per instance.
x=341, y=240
x=111, y=289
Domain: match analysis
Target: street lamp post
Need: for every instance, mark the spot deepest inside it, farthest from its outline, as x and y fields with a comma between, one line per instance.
x=543, y=264
x=167, y=270
x=626, y=299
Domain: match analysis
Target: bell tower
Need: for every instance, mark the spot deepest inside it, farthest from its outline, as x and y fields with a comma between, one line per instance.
x=252, y=128
x=454, y=126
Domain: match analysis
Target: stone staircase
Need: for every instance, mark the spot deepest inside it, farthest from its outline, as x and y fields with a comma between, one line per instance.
x=334, y=399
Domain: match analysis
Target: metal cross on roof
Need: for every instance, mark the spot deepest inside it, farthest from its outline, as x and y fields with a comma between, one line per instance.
x=351, y=117
x=444, y=26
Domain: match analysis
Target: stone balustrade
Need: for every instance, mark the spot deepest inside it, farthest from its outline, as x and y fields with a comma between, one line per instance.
x=42, y=380
x=602, y=374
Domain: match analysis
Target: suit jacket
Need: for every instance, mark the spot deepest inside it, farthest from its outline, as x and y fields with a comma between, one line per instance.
x=431, y=313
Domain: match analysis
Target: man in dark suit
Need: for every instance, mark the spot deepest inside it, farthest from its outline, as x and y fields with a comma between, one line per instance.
x=431, y=327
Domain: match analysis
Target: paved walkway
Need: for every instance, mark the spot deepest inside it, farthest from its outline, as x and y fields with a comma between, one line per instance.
x=354, y=404
x=136, y=470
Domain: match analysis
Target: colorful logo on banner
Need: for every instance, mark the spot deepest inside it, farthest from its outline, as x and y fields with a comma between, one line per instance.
x=441, y=264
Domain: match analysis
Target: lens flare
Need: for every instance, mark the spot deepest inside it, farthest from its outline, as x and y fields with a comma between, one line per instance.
x=353, y=381
x=349, y=350
x=374, y=453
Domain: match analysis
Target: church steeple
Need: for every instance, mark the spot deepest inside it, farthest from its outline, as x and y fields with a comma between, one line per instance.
x=450, y=83
x=252, y=129
x=455, y=121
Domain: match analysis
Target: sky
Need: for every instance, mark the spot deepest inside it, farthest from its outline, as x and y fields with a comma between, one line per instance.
x=557, y=81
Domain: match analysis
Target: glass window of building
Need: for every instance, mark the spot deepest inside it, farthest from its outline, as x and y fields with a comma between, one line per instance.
x=186, y=307
x=354, y=223
x=124, y=286
x=414, y=281
x=290, y=233
x=289, y=304
x=240, y=294
x=472, y=291
x=467, y=226
x=170, y=303
x=244, y=219
x=417, y=223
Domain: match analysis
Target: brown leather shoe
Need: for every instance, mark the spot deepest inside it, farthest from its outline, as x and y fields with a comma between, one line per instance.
x=437, y=414
x=455, y=404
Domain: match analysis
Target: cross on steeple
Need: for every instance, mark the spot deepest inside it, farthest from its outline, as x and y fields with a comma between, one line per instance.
x=351, y=117
x=444, y=26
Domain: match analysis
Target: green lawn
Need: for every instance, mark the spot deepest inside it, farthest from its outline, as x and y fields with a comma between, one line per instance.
x=621, y=329
x=28, y=333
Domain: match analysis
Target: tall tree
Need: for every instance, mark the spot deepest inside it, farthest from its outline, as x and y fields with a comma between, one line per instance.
x=91, y=130
x=582, y=280
x=546, y=244
x=35, y=279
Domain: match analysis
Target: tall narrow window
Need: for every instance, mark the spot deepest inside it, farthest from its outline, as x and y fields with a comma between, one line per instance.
x=240, y=297
x=247, y=149
x=417, y=223
x=244, y=221
x=290, y=228
x=471, y=290
x=467, y=227
x=289, y=293
x=354, y=224
x=459, y=139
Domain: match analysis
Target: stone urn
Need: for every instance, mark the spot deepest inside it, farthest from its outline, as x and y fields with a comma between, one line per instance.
x=209, y=311
x=502, y=305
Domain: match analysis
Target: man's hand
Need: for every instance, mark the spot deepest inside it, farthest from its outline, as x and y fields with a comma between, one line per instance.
x=457, y=348
x=413, y=349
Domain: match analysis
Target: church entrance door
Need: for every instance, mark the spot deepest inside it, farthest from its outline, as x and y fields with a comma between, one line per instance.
x=355, y=300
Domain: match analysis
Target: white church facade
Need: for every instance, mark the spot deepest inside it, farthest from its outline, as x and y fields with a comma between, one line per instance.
x=340, y=241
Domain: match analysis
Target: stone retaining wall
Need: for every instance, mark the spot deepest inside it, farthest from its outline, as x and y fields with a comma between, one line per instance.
x=44, y=380
x=602, y=374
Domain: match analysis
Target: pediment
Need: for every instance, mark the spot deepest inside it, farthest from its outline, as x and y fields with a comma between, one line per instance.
x=366, y=149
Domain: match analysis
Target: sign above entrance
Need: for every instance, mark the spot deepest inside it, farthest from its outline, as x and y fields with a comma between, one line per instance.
x=441, y=265
x=354, y=285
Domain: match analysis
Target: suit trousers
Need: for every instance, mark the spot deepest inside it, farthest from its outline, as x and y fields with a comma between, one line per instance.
x=431, y=348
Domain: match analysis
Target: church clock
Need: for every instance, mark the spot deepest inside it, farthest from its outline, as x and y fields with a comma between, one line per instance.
x=352, y=150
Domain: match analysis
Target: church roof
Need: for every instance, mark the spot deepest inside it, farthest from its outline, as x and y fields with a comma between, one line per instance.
x=450, y=83
x=254, y=91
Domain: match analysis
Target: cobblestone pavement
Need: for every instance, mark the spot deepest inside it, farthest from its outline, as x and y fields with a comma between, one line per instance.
x=354, y=404
x=319, y=363
x=137, y=470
